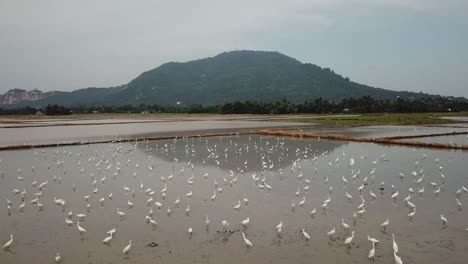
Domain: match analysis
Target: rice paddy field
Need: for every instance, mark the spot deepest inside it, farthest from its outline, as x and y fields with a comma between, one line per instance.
x=232, y=199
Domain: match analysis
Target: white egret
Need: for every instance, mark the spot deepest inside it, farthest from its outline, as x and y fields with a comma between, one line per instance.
x=107, y=240
x=7, y=245
x=68, y=222
x=279, y=227
x=112, y=231
x=301, y=203
x=126, y=250
x=304, y=233
x=411, y=215
x=313, y=212
x=345, y=225
x=237, y=207
x=444, y=220
x=153, y=223
x=372, y=252
x=385, y=224
x=245, y=222
x=397, y=258
x=373, y=240
x=121, y=214
x=247, y=242
x=168, y=210
x=81, y=229
x=395, y=245
x=58, y=258
x=349, y=239
x=225, y=225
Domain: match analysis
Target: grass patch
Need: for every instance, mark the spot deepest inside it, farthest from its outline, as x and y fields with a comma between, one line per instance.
x=384, y=119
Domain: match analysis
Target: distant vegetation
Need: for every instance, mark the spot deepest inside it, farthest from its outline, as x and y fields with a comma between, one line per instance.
x=365, y=104
x=57, y=110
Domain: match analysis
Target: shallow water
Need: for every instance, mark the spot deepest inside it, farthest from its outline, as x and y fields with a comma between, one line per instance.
x=40, y=234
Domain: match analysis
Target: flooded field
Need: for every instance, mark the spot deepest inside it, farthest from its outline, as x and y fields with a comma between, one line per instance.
x=123, y=130
x=166, y=188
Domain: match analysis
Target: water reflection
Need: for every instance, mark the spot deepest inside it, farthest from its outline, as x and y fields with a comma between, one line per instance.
x=239, y=153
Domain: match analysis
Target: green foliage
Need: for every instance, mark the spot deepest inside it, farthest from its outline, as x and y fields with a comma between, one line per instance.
x=364, y=104
x=18, y=111
x=57, y=110
x=361, y=105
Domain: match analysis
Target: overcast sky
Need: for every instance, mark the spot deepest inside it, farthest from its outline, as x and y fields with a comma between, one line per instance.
x=417, y=45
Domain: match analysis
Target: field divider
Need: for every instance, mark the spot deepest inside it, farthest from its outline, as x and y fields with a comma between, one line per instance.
x=270, y=132
x=381, y=140
x=123, y=140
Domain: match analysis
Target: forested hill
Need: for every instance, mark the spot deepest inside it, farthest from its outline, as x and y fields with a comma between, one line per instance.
x=230, y=76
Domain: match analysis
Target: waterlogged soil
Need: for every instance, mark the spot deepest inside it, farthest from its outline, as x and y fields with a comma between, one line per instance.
x=268, y=171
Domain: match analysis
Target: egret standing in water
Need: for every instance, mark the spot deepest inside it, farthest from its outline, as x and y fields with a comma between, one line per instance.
x=279, y=227
x=246, y=222
x=345, y=225
x=247, y=242
x=331, y=233
x=444, y=220
x=385, y=224
x=372, y=252
x=373, y=240
x=395, y=245
x=126, y=250
x=207, y=222
x=8, y=243
x=58, y=258
x=349, y=240
x=81, y=229
x=107, y=239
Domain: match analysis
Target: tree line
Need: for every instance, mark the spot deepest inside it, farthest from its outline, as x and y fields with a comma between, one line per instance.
x=365, y=104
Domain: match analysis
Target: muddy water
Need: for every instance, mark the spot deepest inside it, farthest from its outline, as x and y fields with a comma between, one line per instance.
x=40, y=234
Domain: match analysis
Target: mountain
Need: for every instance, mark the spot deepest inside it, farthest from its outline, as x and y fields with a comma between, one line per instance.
x=236, y=75
x=15, y=96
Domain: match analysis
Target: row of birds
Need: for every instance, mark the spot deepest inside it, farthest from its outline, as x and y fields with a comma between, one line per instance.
x=267, y=164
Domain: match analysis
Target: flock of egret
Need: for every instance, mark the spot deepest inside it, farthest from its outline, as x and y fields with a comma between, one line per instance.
x=96, y=171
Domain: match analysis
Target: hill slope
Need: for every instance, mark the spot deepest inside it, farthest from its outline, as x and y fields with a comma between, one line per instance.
x=229, y=76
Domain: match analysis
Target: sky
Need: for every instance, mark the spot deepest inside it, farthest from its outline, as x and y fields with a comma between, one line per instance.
x=412, y=45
